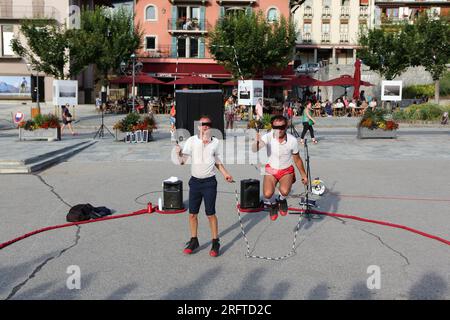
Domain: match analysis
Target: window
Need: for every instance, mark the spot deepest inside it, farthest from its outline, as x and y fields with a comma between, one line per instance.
x=181, y=47
x=344, y=28
x=307, y=28
x=272, y=15
x=150, y=43
x=7, y=36
x=193, y=47
x=326, y=28
x=188, y=47
x=151, y=13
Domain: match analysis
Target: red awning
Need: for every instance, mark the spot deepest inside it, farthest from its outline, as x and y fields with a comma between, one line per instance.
x=139, y=79
x=192, y=80
x=170, y=70
x=208, y=70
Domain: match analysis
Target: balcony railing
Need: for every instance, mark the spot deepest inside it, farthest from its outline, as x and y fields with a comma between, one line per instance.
x=306, y=38
x=364, y=12
x=160, y=52
x=326, y=12
x=345, y=12
x=308, y=12
x=188, y=26
x=343, y=38
x=29, y=12
x=326, y=38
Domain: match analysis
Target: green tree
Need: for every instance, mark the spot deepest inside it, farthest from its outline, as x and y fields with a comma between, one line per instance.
x=388, y=53
x=45, y=47
x=106, y=37
x=432, y=47
x=255, y=43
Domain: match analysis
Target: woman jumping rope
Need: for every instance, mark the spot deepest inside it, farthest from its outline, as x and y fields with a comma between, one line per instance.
x=308, y=122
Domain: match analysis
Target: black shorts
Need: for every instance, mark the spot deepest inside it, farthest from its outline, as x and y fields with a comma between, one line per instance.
x=203, y=189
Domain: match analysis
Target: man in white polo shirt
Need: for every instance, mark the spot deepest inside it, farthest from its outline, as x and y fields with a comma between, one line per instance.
x=204, y=152
x=282, y=150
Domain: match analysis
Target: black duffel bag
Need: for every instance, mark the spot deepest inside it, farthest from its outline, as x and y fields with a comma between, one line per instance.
x=82, y=212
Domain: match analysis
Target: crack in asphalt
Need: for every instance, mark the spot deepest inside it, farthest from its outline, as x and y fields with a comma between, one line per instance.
x=52, y=189
x=17, y=288
x=387, y=246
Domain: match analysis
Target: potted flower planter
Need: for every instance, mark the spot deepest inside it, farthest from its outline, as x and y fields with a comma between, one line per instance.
x=50, y=134
x=366, y=133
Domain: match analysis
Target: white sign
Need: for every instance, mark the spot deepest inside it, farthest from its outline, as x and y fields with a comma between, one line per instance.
x=250, y=91
x=65, y=91
x=391, y=90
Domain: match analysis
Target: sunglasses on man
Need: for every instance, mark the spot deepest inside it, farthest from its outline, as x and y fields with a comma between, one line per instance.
x=207, y=124
x=282, y=127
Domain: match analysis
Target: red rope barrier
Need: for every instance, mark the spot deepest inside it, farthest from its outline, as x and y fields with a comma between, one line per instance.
x=149, y=210
x=384, y=223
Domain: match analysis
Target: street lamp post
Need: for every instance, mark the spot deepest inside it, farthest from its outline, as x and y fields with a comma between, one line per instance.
x=135, y=67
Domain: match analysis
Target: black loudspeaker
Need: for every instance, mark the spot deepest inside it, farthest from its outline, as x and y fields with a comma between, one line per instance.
x=103, y=96
x=250, y=194
x=173, y=195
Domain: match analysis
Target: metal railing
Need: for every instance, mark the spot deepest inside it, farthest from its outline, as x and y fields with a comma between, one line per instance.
x=29, y=12
x=326, y=12
x=363, y=12
x=343, y=38
x=326, y=38
x=308, y=12
x=163, y=51
x=188, y=25
x=345, y=12
x=306, y=38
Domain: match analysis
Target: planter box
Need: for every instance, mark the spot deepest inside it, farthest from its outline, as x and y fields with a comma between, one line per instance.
x=50, y=134
x=121, y=136
x=366, y=133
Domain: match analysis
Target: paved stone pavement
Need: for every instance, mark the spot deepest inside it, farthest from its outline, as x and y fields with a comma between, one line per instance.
x=404, y=181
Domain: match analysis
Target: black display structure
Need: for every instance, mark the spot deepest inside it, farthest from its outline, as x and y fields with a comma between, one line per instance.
x=191, y=104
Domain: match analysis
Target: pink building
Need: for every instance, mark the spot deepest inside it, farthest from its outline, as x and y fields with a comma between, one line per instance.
x=175, y=33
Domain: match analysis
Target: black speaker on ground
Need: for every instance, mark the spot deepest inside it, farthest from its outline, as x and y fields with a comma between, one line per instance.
x=250, y=194
x=173, y=195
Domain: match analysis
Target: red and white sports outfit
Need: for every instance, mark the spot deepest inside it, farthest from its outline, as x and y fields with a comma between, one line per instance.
x=280, y=161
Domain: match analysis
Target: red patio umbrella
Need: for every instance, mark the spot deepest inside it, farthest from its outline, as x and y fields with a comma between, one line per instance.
x=139, y=79
x=357, y=77
x=191, y=80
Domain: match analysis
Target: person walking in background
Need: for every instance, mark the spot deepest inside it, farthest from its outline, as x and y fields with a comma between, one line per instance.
x=308, y=122
x=328, y=108
x=67, y=119
x=173, y=113
x=229, y=113
x=373, y=104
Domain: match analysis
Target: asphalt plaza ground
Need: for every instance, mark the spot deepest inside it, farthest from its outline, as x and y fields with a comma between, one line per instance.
x=404, y=181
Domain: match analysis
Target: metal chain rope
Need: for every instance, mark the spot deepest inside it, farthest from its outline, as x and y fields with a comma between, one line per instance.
x=248, y=255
